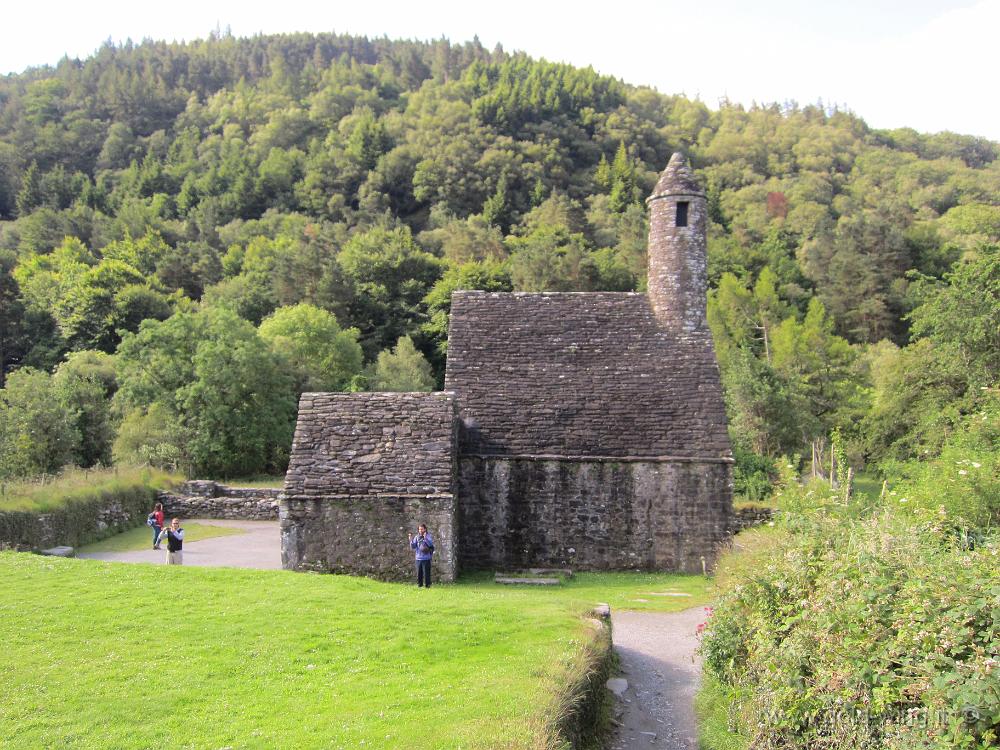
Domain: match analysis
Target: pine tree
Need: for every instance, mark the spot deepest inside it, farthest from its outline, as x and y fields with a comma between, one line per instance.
x=30, y=196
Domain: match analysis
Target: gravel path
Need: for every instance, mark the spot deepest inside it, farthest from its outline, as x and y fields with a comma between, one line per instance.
x=657, y=653
x=258, y=547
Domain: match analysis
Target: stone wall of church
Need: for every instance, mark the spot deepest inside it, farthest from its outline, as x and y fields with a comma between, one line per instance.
x=365, y=469
x=367, y=536
x=593, y=515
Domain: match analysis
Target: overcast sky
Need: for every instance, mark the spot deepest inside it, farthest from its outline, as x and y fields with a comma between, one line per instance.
x=918, y=63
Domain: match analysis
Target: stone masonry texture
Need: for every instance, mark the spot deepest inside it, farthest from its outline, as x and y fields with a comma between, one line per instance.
x=678, y=257
x=365, y=469
x=201, y=498
x=585, y=374
x=581, y=430
x=593, y=515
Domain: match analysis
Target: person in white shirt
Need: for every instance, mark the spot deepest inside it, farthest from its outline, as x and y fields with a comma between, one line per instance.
x=175, y=542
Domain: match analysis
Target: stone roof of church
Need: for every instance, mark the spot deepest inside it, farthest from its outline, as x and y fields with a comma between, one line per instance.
x=581, y=374
x=677, y=179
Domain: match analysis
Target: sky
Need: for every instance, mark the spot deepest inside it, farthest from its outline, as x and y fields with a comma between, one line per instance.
x=925, y=64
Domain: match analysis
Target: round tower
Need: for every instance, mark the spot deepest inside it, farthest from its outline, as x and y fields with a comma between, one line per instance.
x=677, y=254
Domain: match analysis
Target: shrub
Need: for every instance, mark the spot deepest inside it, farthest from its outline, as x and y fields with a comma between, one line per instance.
x=753, y=475
x=861, y=633
x=963, y=482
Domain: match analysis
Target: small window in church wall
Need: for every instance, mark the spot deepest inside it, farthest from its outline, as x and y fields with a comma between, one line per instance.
x=682, y=214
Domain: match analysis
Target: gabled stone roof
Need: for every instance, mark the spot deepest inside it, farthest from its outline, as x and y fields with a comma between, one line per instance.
x=372, y=444
x=581, y=374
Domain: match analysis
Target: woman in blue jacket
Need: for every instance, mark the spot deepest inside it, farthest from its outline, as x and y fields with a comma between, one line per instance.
x=423, y=543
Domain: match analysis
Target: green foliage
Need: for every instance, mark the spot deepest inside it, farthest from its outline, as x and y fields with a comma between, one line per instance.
x=961, y=485
x=864, y=622
x=84, y=385
x=918, y=396
x=818, y=364
x=459, y=242
x=149, y=437
x=391, y=275
x=354, y=175
x=404, y=369
x=486, y=276
x=93, y=300
x=548, y=259
x=715, y=730
x=762, y=419
x=963, y=316
x=324, y=356
x=974, y=220
x=872, y=635
x=228, y=395
x=622, y=184
x=519, y=92
x=923, y=391
x=13, y=342
x=753, y=475
x=786, y=379
x=37, y=434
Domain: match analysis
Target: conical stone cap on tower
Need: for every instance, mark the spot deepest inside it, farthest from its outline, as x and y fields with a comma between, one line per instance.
x=677, y=254
x=676, y=179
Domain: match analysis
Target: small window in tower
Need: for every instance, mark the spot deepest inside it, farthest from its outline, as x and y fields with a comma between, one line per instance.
x=682, y=213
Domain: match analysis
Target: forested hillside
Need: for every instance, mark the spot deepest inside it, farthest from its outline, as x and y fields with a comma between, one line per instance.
x=193, y=234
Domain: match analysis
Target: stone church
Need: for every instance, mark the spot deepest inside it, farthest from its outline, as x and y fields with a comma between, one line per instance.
x=579, y=430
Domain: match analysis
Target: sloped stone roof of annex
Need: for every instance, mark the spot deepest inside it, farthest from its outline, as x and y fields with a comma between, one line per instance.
x=581, y=375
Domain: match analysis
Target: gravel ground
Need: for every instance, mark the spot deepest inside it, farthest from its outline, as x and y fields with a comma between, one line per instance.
x=657, y=653
x=258, y=547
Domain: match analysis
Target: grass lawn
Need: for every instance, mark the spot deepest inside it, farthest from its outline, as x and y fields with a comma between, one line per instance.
x=645, y=592
x=141, y=538
x=259, y=481
x=868, y=485
x=111, y=655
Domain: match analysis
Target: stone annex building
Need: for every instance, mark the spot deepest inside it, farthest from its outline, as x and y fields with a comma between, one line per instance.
x=581, y=430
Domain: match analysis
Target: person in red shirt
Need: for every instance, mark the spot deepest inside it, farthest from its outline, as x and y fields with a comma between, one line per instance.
x=158, y=519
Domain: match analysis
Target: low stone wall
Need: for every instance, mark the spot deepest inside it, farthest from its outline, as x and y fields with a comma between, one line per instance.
x=592, y=514
x=581, y=704
x=200, y=498
x=78, y=523
x=747, y=518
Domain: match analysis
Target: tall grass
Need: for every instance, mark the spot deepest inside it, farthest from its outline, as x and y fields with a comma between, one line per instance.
x=77, y=507
x=74, y=485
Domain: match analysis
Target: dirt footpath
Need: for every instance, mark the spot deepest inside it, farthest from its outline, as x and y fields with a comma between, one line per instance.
x=258, y=547
x=657, y=653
